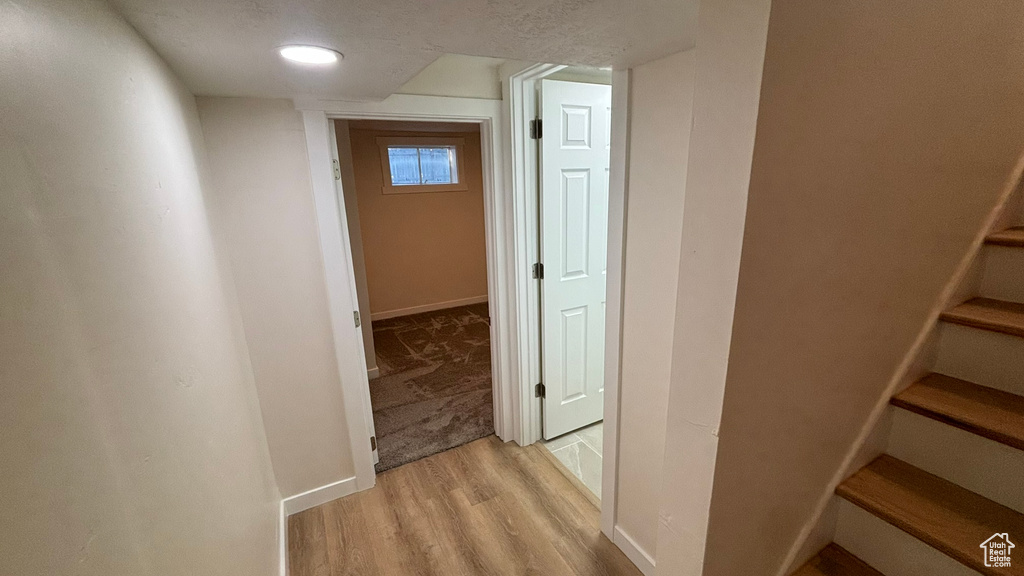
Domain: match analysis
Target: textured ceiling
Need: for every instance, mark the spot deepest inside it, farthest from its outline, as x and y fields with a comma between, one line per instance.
x=227, y=47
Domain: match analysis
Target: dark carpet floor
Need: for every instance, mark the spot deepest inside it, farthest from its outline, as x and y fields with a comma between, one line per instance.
x=434, y=388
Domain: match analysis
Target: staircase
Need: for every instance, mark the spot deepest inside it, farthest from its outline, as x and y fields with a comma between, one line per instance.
x=953, y=472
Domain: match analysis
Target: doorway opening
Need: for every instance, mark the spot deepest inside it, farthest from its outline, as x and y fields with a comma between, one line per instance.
x=572, y=130
x=414, y=205
x=511, y=210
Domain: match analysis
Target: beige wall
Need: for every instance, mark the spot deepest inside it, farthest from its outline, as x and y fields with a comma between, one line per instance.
x=661, y=97
x=131, y=440
x=260, y=177
x=886, y=131
x=420, y=249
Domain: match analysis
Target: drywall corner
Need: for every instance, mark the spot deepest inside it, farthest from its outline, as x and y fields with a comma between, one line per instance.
x=731, y=41
x=660, y=108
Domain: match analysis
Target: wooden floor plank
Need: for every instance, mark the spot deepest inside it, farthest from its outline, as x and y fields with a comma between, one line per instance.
x=306, y=534
x=485, y=508
x=989, y=314
x=939, y=513
x=510, y=549
x=1013, y=237
x=994, y=414
x=834, y=560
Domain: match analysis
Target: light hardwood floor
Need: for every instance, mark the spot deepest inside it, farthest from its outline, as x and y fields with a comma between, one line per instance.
x=483, y=508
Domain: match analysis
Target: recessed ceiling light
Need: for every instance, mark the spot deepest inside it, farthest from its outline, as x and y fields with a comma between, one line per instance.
x=309, y=54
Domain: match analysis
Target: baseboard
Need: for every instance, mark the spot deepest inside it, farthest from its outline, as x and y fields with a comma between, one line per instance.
x=282, y=540
x=373, y=372
x=318, y=496
x=634, y=552
x=427, y=308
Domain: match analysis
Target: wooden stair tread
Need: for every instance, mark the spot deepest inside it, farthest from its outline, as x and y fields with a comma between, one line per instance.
x=834, y=560
x=987, y=412
x=989, y=314
x=1009, y=237
x=939, y=513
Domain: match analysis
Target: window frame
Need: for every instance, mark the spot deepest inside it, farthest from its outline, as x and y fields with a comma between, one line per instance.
x=385, y=142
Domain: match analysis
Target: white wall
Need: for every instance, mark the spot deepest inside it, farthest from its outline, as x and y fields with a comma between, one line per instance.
x=729, y=60
x=661, y=97
x=260, y=177
x=131, y=440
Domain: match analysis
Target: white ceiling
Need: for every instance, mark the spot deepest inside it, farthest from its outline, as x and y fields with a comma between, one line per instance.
x=227, y=47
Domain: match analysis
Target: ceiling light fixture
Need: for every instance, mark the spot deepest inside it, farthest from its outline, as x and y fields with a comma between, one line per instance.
x=309, y=54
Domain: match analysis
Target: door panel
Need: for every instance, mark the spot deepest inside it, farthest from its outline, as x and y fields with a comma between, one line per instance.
x=574, y=243
x=575, y=230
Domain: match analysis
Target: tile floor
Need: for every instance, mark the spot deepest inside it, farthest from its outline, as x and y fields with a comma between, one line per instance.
x=580, y=452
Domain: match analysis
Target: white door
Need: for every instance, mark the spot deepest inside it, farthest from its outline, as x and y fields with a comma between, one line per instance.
x=574, y=161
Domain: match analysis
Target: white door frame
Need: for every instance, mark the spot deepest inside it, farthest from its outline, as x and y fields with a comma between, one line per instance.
x=321, y=148
x=521, y=102
x=520, y=91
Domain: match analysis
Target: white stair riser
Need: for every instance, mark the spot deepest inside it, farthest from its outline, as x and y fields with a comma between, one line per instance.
x=978, y=464
x=890, y=550
x=1003, y=276
x=982, y=357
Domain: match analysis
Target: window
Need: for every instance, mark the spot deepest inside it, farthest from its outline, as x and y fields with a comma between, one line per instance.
x=411, y=165
x=422, y=165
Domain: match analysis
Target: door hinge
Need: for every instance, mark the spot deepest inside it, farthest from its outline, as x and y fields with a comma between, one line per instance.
x=337, y=169
x=539, y=391
x=373, y=443
x=536, y=129
x=538, y=271
x=355, y=316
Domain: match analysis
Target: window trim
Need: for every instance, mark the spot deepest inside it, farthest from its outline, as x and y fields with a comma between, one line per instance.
x=383, y=142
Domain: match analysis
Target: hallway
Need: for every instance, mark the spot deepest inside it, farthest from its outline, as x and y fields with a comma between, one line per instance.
x=484, y=508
